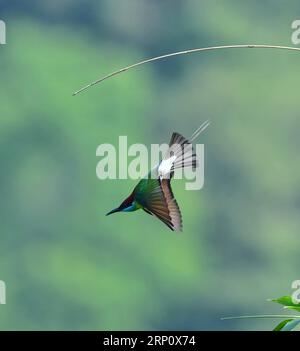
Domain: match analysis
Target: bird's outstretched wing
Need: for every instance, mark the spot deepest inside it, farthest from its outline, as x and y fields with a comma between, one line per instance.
x=157, y=199
x=180, y=154
x=174, y=210
x=154, y=192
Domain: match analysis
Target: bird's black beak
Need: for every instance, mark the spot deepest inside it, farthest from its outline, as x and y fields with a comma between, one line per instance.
x=113, y=211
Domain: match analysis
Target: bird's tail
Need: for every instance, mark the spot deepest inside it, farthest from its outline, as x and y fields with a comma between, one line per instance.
x=181, y=153
x=199, y=130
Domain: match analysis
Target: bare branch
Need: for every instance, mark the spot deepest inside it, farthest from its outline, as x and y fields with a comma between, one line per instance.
x=211, y=48
x=262, y=316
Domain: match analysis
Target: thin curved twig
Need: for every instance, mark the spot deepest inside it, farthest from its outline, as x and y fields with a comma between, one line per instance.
x=262, y=316
x=210, y=48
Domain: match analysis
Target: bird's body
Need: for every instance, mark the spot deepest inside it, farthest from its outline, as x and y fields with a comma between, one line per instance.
x=153, y=193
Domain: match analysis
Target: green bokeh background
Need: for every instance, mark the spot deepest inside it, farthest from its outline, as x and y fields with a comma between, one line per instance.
x=66, y=265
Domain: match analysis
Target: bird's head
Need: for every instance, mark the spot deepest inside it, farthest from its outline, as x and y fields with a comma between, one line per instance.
x=126, y=206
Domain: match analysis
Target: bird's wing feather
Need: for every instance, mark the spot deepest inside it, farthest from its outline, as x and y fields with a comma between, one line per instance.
x=173, y=207
x=147, y=211
x=153, y=199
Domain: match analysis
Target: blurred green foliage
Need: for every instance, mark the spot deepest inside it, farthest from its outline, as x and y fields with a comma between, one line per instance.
x=65, y=264
x=288, y=322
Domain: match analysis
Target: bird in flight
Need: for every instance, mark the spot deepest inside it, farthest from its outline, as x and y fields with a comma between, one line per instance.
x=153, y=193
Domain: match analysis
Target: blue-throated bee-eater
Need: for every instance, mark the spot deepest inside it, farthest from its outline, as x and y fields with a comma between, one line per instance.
x=153, y=193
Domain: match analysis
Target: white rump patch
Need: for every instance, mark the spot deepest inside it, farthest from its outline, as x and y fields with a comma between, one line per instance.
x=165, y=166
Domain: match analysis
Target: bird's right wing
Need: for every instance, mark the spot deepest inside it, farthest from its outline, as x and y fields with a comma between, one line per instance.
x=174, y=210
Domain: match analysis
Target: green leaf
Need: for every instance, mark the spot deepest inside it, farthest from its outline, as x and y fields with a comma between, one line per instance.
x=282, y=324
x=287, y=302
x=290, y=325
x=293, y=308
